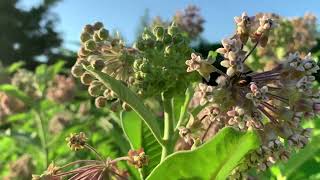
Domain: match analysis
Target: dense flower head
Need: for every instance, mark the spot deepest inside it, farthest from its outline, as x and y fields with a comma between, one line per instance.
x=138, y=158
x=190, y=20
x=272, y=102
x=148, y=68
x=27, y=82
x=61, y=89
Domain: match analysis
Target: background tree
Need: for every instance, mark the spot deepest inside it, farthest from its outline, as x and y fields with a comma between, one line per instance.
x=29, y=35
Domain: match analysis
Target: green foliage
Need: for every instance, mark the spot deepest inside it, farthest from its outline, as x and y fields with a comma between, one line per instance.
x=213, y=160
x=141, y=137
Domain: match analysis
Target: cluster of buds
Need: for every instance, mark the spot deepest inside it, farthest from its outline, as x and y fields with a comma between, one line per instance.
x=190, y=21
x=21, y=169
x=106, y=54
x=245, y=100
x=61, y=89
x=10, y=105
x=147, y=68
x=296, y=34
x=104, y=168
x=27, y=82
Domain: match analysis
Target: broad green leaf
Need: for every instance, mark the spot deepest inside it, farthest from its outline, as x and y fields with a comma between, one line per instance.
x=213, y=160
x=15, y=92
x=141, y=137
x=131, y=98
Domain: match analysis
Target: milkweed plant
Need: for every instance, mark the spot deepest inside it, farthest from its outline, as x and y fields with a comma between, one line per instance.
x=186, y=116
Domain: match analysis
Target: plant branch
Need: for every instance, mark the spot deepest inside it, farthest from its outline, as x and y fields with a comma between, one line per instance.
x=168, y=126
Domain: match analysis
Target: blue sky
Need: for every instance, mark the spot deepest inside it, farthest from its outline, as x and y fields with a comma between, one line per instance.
x=124, y=15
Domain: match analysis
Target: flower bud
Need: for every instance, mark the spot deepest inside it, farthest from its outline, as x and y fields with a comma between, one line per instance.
x=86, y=78
x=96, y=37
x=173, y=29
x=103, y=34
x=158, y=32
x=97, y=26
x=98, y=64
x=83, y=52
x=77, y=70
x=100, y=102
x=96, y=88
x=88, y=29
x=90, y=45
x=85, y=36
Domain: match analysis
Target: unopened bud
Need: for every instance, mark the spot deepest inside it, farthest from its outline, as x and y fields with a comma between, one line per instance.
x=158, y=32
x=77, y=70
x=98, y=64
x=85, y=36
x=97, y=25
x=88, y=29
x=103, y=34
x=100, y=102
x=90, y=45
x=96, y=88
x=86, y=78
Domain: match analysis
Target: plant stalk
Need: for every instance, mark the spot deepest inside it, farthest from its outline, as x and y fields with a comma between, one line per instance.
x=42, y=136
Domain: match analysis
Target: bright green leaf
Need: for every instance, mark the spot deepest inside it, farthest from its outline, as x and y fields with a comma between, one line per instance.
x=213, y=160
x=140, y=136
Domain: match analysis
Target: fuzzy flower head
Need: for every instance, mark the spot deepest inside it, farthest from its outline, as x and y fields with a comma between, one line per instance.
x=138, y=158
x=273, y=102
x=204, y=67
x=76, y=141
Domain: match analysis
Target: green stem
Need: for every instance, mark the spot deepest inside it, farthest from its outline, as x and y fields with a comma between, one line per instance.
x=183, y=111
x=42, y=136
x=168, y=127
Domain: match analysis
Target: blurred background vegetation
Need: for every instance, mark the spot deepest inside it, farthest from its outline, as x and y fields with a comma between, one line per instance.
x=33, y=62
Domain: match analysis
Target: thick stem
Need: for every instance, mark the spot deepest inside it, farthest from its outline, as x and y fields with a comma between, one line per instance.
x=42, y=136
x=168, y=127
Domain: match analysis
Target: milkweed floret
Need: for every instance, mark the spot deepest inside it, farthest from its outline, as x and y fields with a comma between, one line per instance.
x=77, y=141
x=138, y=158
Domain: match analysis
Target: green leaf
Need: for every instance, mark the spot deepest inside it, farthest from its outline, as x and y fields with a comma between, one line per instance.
x=131, y=98
x=15, y=92
x=15, y=66
x=140, y=136
x=212, y=55
x=298, y=160
x=213, y=160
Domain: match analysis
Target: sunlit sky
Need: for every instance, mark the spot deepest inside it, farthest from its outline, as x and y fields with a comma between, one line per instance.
x=124, y=15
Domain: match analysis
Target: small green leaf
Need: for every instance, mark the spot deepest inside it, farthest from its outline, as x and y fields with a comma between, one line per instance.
x=213, y=160
x=140, y=136
x=131, y=98
x=212, y=55
x=15, y=92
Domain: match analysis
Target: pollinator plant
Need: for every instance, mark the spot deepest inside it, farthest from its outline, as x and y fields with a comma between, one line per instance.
x=228, y=119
